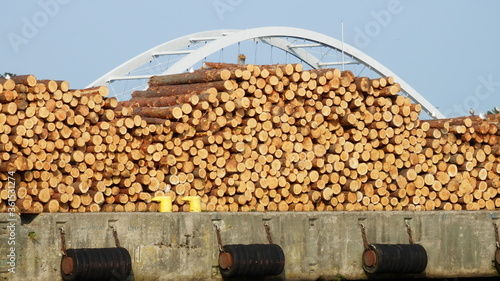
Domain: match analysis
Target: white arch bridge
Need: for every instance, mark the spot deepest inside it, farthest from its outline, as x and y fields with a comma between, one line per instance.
x=184, y=53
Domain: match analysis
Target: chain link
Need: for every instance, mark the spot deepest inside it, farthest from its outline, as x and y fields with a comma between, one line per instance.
x=115, y=235
x=268, y=232
x=219, y=240
x=63, y=241
x=408, y=229
x=363, y=234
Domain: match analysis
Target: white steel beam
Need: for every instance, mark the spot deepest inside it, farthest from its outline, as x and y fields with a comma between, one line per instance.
x=219, y=39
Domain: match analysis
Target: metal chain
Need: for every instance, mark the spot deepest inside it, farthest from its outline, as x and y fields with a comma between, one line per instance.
x=219, y=240
x=268, y=232
x=63, y=241
x=115, y=235
x=363, y=234
x=408, y=229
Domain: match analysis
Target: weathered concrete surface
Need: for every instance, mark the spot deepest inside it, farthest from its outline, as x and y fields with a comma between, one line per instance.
x=183, y=246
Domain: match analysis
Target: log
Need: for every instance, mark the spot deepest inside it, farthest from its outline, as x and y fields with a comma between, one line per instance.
x=198, y=76
x=175, y=112
x=7, y=84
x=184, y=89
x=98, y=90
x=27, y=80
x=162, y=101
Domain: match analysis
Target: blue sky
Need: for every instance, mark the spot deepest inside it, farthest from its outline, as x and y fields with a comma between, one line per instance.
x=446, y=50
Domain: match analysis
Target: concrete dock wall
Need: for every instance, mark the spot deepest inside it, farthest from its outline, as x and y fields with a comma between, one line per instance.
x=183, y=246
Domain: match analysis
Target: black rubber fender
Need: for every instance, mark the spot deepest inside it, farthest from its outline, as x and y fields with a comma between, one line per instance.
x=233, y=270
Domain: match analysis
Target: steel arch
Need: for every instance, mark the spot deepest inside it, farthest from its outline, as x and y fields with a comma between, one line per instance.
x=219, y=39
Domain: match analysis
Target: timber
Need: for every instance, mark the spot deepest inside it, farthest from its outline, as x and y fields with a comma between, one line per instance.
x=242, y=138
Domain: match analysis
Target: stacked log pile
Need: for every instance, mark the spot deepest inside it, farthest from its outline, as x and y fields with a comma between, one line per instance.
x=465, y=156
x=70, y=150
x=243, y=138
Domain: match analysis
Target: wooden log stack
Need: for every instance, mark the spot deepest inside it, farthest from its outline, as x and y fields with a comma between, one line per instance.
x=466, y=162
x=243, y=138
x=69, y=150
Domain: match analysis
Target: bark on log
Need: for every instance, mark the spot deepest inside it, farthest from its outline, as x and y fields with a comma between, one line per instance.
x=198, y=76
